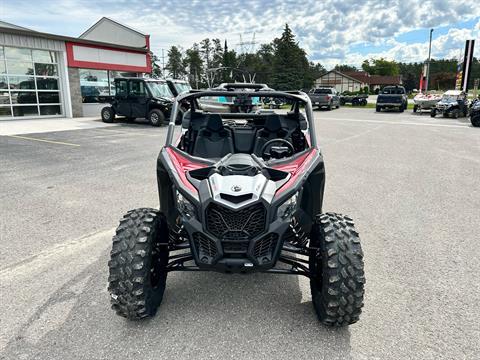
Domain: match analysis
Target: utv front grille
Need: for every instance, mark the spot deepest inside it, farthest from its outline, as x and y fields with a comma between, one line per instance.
x=264, y=248
x=227, y=224
x=205, y=247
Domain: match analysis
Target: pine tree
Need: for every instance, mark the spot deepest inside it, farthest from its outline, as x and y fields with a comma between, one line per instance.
x=290, y=63
x=193, y=62
x=156, y=70
x=175, y=64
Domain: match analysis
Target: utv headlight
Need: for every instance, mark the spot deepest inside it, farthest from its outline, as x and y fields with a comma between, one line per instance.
x=287, y=209
x=184, y=206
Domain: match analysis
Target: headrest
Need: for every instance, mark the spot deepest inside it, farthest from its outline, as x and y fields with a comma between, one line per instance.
x=214, y=122
x=273, y=123
x=187, y=116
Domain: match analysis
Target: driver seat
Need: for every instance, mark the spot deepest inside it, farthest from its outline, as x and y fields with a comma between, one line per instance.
x=272, y=129
x=213, y=140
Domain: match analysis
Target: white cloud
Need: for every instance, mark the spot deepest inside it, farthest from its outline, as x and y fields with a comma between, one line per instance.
x=328, y=29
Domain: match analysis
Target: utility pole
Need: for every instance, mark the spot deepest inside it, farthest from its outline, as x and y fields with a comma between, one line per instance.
x=428, y=63
x=163, y=64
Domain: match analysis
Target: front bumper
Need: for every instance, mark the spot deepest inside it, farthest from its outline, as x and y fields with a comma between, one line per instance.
x=389, y=104
x=246, y=255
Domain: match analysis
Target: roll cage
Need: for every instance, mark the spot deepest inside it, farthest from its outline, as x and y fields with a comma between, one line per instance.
x=244, y=91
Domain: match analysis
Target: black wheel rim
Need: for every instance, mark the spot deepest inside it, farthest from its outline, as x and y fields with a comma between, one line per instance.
x=154, y=118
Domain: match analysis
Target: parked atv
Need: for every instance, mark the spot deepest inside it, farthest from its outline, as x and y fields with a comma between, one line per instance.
x=454, y=103
x=355, y=100
x=140, y=98
x=475, y=113
x=274, y=103
x=240, y=192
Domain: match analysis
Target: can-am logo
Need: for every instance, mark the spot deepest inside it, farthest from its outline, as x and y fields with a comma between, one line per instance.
x=236, y=188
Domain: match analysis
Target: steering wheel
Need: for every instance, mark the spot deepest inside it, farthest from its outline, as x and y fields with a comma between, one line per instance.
x=270, y=143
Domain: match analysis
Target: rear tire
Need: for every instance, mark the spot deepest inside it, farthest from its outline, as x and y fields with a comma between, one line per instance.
x=475, y=121
x=138, y=264
x=156, y=117
x=378, y=108
x=433, y=113
x=108, y=115
x=415, y=108
x=336, y=267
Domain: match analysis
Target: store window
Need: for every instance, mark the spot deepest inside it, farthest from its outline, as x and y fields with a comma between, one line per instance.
x=94, y=85
x=29, y=83
x=98, y=85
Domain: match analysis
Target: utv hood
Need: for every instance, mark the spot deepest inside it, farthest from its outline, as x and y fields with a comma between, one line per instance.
x=238, y=180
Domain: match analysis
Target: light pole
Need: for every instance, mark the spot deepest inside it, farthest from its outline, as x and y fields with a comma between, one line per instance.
x=428, y=63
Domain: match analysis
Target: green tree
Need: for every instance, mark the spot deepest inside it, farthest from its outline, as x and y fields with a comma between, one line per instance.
x=217, y=53
x=194, y=64
x=290, y=64
x=345, y=68
x=175, y=64
x=230, y=61
x=410, y=75
x=206, y=52
x=380, y=67
x=156, y=69
x=314, y=72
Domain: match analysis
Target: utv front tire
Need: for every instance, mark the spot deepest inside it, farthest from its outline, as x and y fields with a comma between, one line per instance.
x=336, y=268
x=156, y=117
x=108, y=115
x=138, y=264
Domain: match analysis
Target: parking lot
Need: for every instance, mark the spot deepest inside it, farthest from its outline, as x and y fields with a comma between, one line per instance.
x=411, y=183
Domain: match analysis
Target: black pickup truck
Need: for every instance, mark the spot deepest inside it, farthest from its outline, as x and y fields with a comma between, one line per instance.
x=392, y=97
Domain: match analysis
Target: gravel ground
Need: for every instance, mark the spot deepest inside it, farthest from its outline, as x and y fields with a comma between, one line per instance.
x=410, y=182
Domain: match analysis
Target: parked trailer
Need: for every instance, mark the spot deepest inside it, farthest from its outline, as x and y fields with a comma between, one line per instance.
x=355, y=100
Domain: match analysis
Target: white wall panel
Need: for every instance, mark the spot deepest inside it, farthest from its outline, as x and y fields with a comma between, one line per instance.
x=111, y=32
x=83, y=53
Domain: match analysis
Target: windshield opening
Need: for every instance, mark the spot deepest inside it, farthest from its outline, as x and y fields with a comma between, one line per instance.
x=182, y=87
x=449, y=98
x=393, y=91
x=159, y=89
x=216, y=124
x=323, y=91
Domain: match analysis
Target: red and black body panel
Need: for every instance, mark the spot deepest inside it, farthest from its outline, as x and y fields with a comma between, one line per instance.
x=261, y=244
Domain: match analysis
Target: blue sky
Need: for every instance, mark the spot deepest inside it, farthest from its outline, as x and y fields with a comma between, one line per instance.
x=332, y=32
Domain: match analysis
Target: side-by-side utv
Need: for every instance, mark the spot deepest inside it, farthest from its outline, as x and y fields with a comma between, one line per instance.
x=239, y=192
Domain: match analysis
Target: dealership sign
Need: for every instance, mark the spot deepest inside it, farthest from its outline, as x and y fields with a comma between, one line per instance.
x=464, y=67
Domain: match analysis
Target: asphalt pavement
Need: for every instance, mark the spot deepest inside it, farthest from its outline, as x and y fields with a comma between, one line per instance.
x=410, y=182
